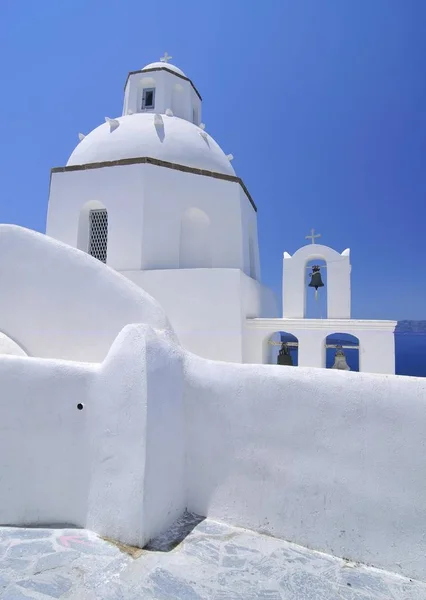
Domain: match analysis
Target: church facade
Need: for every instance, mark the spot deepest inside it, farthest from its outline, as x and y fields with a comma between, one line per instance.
x=152, y=195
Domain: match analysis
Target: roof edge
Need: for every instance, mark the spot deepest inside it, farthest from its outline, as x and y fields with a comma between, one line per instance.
x=159, y=163
x=168, y=71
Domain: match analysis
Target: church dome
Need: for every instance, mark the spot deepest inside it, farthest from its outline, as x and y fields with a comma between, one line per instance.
x=164, y=65
x=162, y=137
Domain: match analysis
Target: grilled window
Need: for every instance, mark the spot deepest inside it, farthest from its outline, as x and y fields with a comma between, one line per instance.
x=98, y=234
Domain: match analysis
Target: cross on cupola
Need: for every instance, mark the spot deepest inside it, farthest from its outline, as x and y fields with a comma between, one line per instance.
x=313, y=236
x=166, y=58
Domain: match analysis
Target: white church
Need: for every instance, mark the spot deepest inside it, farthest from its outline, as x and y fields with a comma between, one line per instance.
x=134, y=337
x=153, y=196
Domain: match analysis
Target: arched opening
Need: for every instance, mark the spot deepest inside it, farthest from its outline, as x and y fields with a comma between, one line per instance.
x=178, y=100
x=195, y=240
x=10, y=347
x=281, y=348
x=316, y=300
x=93, y=230
x=342, y=352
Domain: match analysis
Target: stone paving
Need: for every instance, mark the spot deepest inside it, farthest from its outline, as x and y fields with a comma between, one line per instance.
x=196, y=560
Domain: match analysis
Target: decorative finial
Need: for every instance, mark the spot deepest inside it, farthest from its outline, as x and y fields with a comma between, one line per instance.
x=230, y=157
x=312, y=236
x=113, y=123
x=158, y=121
x=166, y=58
x=81, y=136
x=202, y=125
x=169, y=112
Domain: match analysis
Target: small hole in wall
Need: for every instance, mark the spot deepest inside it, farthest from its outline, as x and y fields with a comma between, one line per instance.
x=80, y=406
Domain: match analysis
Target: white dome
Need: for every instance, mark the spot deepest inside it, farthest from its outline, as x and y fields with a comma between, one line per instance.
x=177, y=141
x=164, y=65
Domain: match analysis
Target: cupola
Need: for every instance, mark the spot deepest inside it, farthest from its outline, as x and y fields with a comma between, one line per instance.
x=162, y=88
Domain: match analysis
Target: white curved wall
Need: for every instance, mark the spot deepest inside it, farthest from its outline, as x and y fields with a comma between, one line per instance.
x=58, y=302
x=10, y=347
x=330, y=460
x=116, y=465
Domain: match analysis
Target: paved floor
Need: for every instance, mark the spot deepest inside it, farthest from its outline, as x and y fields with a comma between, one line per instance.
x=213, y=562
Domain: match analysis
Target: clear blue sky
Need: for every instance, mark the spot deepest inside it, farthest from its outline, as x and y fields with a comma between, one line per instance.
x=322, y=103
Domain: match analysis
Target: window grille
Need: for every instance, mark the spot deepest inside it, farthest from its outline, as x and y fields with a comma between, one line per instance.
x=98, y=234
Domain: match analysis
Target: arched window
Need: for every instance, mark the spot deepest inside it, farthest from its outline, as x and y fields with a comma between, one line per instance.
x=281, y=348
x=342, y=352
x=195, y=240
x=93, y=230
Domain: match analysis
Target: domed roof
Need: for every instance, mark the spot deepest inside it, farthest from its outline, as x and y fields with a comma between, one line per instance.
x=173, y=140
x=164, y=65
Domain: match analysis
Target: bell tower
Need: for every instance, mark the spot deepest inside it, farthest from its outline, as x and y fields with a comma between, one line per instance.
x=338, y=280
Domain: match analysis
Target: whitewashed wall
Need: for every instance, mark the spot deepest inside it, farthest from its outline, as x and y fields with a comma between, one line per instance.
x=333, y=461
x=143, y=200
x=58, y=302
x=376, y=341
x=207, y=308
x=44, y=467
x=116, y=465
x=330, y=460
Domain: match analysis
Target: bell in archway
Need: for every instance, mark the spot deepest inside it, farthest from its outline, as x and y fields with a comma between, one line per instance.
x=340, y=361
x=284, y=357
x=316, y=281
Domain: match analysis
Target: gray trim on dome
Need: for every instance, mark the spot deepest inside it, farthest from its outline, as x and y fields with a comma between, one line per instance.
x=158, y=163
x=168, y=71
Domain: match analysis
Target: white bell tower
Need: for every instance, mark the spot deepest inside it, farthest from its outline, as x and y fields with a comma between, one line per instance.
x=338, y=287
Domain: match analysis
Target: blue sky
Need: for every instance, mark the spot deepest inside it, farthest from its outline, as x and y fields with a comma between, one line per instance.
x=322, y=103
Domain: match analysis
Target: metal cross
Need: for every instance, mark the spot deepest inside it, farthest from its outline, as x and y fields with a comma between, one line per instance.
x=166, y=58
x=312, y=236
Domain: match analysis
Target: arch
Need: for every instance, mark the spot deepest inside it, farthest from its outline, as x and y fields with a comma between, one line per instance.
x=348, y=343
x=319, y=252
x=195, y=240
x=273, y=344
x=315, y=302
x=92, y=234
x=178, y=100
x=338, y=281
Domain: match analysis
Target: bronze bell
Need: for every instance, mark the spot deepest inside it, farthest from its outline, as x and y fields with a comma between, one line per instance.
x=284, y=357
x=340, y=360
x=316, y=281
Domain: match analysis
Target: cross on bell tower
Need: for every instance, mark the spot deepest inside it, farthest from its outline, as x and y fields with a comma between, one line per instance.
x=313, y=236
